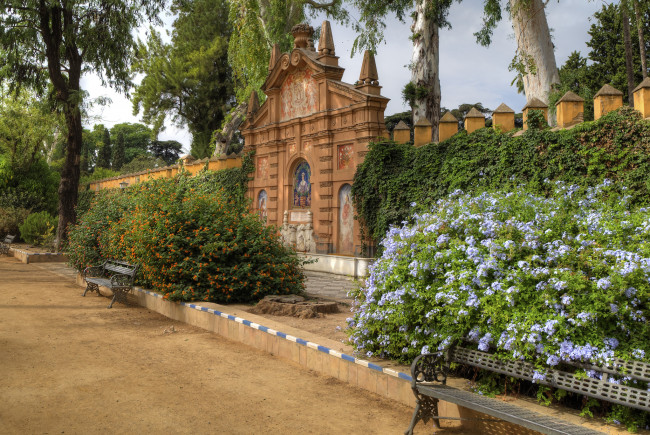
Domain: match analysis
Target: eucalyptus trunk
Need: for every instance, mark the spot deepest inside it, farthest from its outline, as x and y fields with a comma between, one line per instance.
x=639, y=28
x=629, y=69
x=534, y=43
x=425, y=73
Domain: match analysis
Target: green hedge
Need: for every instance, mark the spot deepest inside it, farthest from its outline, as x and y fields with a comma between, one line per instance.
x=393, y=176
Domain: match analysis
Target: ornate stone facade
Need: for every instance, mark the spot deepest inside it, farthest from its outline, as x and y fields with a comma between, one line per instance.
x=309, y=136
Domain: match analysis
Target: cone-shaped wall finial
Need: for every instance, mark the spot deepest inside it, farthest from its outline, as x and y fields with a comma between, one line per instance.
x=253, y=104
x=275, y=56
x=326, y=41
x=369, y=74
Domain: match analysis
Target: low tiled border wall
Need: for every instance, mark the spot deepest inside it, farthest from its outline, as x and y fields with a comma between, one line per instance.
x=37, y=257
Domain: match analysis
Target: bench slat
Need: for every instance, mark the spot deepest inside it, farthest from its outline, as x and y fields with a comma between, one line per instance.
x=505, y=411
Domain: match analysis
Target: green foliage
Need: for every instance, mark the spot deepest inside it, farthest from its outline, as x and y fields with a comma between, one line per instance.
x=38, y=229
x=393, y=176
x=11, y=218
x=85, y=200
x=413, y=93
x=536, y=120
x=98, y=174
x=142, y=163
x=189, y=79
x=167, y=150
x=257, y=25
x=34, y=188
x=194, y=237
x=27, y=133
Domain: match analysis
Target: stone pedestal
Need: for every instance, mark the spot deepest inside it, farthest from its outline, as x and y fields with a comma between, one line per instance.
x=570, y=110
x=503, y=118
x=422, y=132
x=607, y=99
x=474, y=120
x=448, y=127
x=642, y=98
x=402, y=133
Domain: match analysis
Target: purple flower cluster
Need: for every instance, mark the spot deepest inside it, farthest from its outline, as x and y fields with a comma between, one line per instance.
x=543, y=279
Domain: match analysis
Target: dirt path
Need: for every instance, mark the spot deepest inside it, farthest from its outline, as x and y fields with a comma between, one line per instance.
x=69, y=365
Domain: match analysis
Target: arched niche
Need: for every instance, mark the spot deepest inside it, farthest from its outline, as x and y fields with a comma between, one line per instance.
x=346, y=221
x=262, y=201
x=301, y=186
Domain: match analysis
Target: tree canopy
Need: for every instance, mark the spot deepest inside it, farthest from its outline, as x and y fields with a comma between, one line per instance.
x=257, y=25
x=188, y=80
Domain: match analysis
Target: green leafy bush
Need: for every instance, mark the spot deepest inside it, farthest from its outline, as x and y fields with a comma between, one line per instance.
x=38, y=229
x=11, y=218
x=194, y=240
x=546, y=280
x=393, y=176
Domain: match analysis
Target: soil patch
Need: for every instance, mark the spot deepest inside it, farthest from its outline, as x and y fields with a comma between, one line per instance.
x=294, y=306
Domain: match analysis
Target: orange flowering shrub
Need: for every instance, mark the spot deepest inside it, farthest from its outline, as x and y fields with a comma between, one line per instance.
x=193, y=240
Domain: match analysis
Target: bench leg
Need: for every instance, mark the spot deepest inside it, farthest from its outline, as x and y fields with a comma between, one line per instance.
x=119, y=295
x=91, y=287
x=426, y=408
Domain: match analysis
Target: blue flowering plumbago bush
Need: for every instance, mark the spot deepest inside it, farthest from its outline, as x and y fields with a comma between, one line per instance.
x=541, y=279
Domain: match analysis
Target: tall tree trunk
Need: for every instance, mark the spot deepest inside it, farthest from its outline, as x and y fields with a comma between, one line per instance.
x=534, y=43
x=69, y=185
x=639, y=27
x=425, y=68
x=628, y=53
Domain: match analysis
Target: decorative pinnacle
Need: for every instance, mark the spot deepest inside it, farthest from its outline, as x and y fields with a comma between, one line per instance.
x=368, y=74
x=302, y=33
x=253, y=104
x=326, y=41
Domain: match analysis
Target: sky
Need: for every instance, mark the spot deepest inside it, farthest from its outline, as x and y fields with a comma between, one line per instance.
x=469, y=73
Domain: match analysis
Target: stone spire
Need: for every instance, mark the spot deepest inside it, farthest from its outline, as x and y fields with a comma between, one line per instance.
x=302, y=34
x=326, y=41
x=368, y=70
x=253, y=105
x=275, y=56
x=326, y=52
x=368, y=79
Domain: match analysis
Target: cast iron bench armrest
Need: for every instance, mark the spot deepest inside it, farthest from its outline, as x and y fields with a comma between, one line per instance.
x=4, y=245
x=93, y=271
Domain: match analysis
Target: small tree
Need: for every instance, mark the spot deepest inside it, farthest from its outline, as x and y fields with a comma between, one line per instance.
x=118, y=152
x=104, y=158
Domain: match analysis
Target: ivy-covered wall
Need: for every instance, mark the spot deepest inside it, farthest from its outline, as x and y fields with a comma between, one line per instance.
x=393, y=176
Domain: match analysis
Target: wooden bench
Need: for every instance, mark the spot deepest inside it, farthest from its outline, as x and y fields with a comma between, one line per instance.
x=116, y=275
x=429, y=372
x=4, y=245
